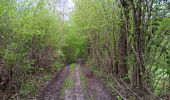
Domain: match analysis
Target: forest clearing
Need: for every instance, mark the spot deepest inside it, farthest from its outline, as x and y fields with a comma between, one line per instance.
x=84, y=50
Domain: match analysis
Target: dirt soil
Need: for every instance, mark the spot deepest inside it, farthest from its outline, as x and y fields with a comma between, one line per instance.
x=94, y=89
x=52, y=90
x=76, y=92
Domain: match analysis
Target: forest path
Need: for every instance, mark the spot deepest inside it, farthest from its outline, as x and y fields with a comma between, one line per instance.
x=84, y=85
x=95, y=87
x=74, y=92
x=52, y=89
x=75, y=83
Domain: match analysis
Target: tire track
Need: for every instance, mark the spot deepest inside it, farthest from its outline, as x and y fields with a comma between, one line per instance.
x=96, y=89
x=52, y=90
x=75, y=93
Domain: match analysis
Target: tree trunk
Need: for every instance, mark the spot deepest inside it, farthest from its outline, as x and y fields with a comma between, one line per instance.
x=122, y=65
x=139, y=69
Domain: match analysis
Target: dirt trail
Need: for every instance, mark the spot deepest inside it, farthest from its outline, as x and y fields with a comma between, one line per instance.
x=76, y=92
x=96, y=89
x=52, y=90
x=75, y=89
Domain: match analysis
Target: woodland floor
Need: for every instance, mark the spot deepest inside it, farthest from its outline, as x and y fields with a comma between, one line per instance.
x=75, y=83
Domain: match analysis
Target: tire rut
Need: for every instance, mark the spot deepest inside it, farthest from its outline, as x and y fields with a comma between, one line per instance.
x=52, y=90
x=96, y=89
x=76, y=92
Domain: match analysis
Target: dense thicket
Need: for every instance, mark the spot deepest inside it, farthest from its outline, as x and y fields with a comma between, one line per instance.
x=28, y=34
x=32, y=41
x=129, y=38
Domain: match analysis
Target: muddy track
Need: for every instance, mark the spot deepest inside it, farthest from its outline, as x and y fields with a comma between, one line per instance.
x=93, y=90
x=95, y=87
x=76, y=92
x=52, y=90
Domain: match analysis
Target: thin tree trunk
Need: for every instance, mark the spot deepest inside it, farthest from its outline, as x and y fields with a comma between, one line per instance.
x=140, y=67
x=122, y=65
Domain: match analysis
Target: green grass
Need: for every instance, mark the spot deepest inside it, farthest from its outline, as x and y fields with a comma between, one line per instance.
x=68, y=83
x=72, y=67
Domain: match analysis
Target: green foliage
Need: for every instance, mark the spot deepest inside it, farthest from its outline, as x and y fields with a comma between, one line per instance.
x=75, y=44
x=101, y=22
x=30, y=40
x=72, y=67
x=68, y=84
x=27, y=89
x=93, y=69
x=159, y=47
